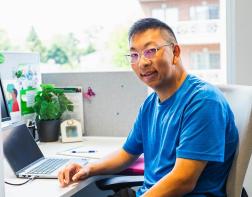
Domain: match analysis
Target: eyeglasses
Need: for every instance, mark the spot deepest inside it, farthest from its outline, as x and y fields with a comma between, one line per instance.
x=134, y=57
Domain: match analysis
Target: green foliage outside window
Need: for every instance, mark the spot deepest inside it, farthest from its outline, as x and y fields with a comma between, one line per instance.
x=5, y=43
x=66, y=49
x=119, y=47
x=34, y=44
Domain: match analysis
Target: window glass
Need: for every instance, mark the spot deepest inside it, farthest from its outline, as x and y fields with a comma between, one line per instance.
x=204, y=60
x=213, y=12
x=73, y=36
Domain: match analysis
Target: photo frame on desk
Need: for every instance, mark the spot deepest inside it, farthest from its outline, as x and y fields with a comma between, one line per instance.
x=71, y=131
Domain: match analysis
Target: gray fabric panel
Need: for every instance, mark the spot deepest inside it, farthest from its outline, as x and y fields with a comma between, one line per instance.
x=113, y=110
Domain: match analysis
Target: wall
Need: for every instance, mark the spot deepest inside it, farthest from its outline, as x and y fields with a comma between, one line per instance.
x=243, y=41
x=239, y=42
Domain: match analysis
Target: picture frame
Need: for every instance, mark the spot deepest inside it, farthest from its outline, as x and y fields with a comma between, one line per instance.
x=71, y=131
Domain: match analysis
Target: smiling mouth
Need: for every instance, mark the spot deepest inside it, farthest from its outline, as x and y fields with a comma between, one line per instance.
x=148, y=76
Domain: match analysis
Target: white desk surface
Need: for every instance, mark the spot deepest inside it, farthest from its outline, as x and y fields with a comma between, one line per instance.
x=51, y=187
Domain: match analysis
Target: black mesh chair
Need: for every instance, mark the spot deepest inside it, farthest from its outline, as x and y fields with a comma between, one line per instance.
x=120, y=182
x=131, y=177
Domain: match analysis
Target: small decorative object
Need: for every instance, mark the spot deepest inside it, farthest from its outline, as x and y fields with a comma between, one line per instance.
x=90, y=93
x=71, y=131
x=50, y=104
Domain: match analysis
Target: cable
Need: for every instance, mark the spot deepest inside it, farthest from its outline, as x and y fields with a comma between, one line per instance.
x=19, y=184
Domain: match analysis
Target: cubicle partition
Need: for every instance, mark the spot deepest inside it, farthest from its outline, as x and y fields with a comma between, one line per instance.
x=115, y=105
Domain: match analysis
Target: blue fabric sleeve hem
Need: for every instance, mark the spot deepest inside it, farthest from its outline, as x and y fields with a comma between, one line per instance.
x=129, y=150
x=199, y=156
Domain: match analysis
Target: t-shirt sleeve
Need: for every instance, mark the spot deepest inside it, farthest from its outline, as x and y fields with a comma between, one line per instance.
x=134, y=141
x=202, y=135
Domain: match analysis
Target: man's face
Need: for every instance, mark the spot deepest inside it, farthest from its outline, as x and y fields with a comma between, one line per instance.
x=156, y=72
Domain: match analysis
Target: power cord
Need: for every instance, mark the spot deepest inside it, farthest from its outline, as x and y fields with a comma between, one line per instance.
x=19, y=184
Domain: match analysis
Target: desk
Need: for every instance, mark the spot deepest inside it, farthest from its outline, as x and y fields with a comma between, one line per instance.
x=51, y=187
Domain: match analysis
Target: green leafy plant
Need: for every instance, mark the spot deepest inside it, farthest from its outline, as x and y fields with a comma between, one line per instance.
x=51, y=103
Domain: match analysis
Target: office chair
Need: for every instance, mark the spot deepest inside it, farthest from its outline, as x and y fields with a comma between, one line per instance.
x=240, y=100
x=131, y=177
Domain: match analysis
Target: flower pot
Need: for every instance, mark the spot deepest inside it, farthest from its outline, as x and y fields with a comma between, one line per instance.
x=48, y=130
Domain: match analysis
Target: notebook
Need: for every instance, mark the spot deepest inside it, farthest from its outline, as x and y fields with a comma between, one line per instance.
x=26, y=159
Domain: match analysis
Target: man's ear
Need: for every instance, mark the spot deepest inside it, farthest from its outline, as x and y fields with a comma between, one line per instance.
x=176, y=54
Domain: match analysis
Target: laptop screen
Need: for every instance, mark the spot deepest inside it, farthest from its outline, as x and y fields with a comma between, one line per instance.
x=20, y=149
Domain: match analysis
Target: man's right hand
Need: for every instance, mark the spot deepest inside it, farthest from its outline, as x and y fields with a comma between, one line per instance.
x=73, y=172
x=111, y=164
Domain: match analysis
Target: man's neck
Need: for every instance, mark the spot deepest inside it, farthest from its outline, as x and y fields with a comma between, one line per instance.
x=167, y=91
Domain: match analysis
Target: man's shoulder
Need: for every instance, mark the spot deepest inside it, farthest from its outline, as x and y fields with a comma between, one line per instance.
x=149, y=103
x=152, y=97
x=203, y=90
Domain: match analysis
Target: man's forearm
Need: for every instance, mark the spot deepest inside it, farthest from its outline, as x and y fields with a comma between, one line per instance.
x=170, y=186
x=113, y=163
x=180, y=181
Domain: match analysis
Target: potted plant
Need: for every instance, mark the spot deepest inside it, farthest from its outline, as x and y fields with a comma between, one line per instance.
x=50, y=104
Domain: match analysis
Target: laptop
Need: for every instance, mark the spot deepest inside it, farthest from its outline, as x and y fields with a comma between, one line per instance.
x=26, y=159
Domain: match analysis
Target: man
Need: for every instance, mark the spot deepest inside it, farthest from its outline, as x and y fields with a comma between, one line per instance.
x=185, y=128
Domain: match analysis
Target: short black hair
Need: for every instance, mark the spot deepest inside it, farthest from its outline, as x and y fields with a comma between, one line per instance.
x=149, y=23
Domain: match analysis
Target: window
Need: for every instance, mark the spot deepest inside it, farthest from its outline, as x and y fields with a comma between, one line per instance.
x=213, y=12
x=204, y=60
x=214, y=60
x=170, y=15
x=204, y=12
x=70, y=36
x=199, y=13
x=73, y=36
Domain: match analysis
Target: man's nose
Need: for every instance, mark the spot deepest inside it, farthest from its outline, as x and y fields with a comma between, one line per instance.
x=143, y=62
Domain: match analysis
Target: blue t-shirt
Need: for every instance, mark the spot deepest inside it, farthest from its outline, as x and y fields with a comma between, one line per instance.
x=196, y=123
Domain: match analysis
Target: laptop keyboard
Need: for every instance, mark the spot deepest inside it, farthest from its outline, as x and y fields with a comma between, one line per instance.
x=48, y=166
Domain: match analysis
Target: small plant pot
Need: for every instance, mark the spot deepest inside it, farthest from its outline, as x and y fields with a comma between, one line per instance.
x=48, y=130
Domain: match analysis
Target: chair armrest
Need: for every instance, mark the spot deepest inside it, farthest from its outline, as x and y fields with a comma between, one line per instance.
x=119, y=182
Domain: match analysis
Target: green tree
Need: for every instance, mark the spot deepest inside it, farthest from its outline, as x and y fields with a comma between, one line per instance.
x=89, y=49
x=35, y=44
x=91, y=36
x=66, y=49
x=58, y=55
x=119, y=46
x=5, y=43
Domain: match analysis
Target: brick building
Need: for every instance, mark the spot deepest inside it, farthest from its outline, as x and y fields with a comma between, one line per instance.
x=200, y=29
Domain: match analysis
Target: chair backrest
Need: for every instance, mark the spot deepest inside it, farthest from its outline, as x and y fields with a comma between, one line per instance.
x=240, y=100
